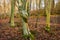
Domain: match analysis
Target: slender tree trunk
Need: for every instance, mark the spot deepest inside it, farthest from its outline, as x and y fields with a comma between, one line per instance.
x=38, y=14
x=52, y=7
x=48, y=12
x=33, y=4
x=12, y=13
x=39, y=3
x=29, y=4
x=4, y=6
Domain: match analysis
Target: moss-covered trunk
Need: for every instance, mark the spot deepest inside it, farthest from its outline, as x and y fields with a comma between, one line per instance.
x=48, y=12
x=12, y=13
x=23, y=10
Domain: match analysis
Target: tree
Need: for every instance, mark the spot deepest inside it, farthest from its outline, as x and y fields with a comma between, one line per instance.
x=39, y=3
x=12, y=13
x=22, y=8
x=4, y=6
x=38, y=14
x=48, y=11
x=52, y=6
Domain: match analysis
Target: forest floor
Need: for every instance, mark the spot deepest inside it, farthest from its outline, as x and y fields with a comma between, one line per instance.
x=37, y=28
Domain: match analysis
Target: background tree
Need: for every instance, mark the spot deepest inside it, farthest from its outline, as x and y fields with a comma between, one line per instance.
x=52, y=6
x=39, y=3
x=4, y=6
x=38, y=13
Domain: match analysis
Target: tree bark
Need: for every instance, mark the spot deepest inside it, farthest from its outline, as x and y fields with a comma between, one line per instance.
x=48, y=12
x=12, y=13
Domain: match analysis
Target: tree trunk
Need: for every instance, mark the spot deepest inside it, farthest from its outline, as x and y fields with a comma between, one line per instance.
x=24, y=17
x=12, y=13
x=48, y=11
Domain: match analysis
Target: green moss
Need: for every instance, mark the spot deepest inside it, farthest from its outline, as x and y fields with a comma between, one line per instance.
x=30, y=36
x=47, y=29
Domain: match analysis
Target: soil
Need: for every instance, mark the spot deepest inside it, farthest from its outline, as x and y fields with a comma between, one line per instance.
x=9, y=33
